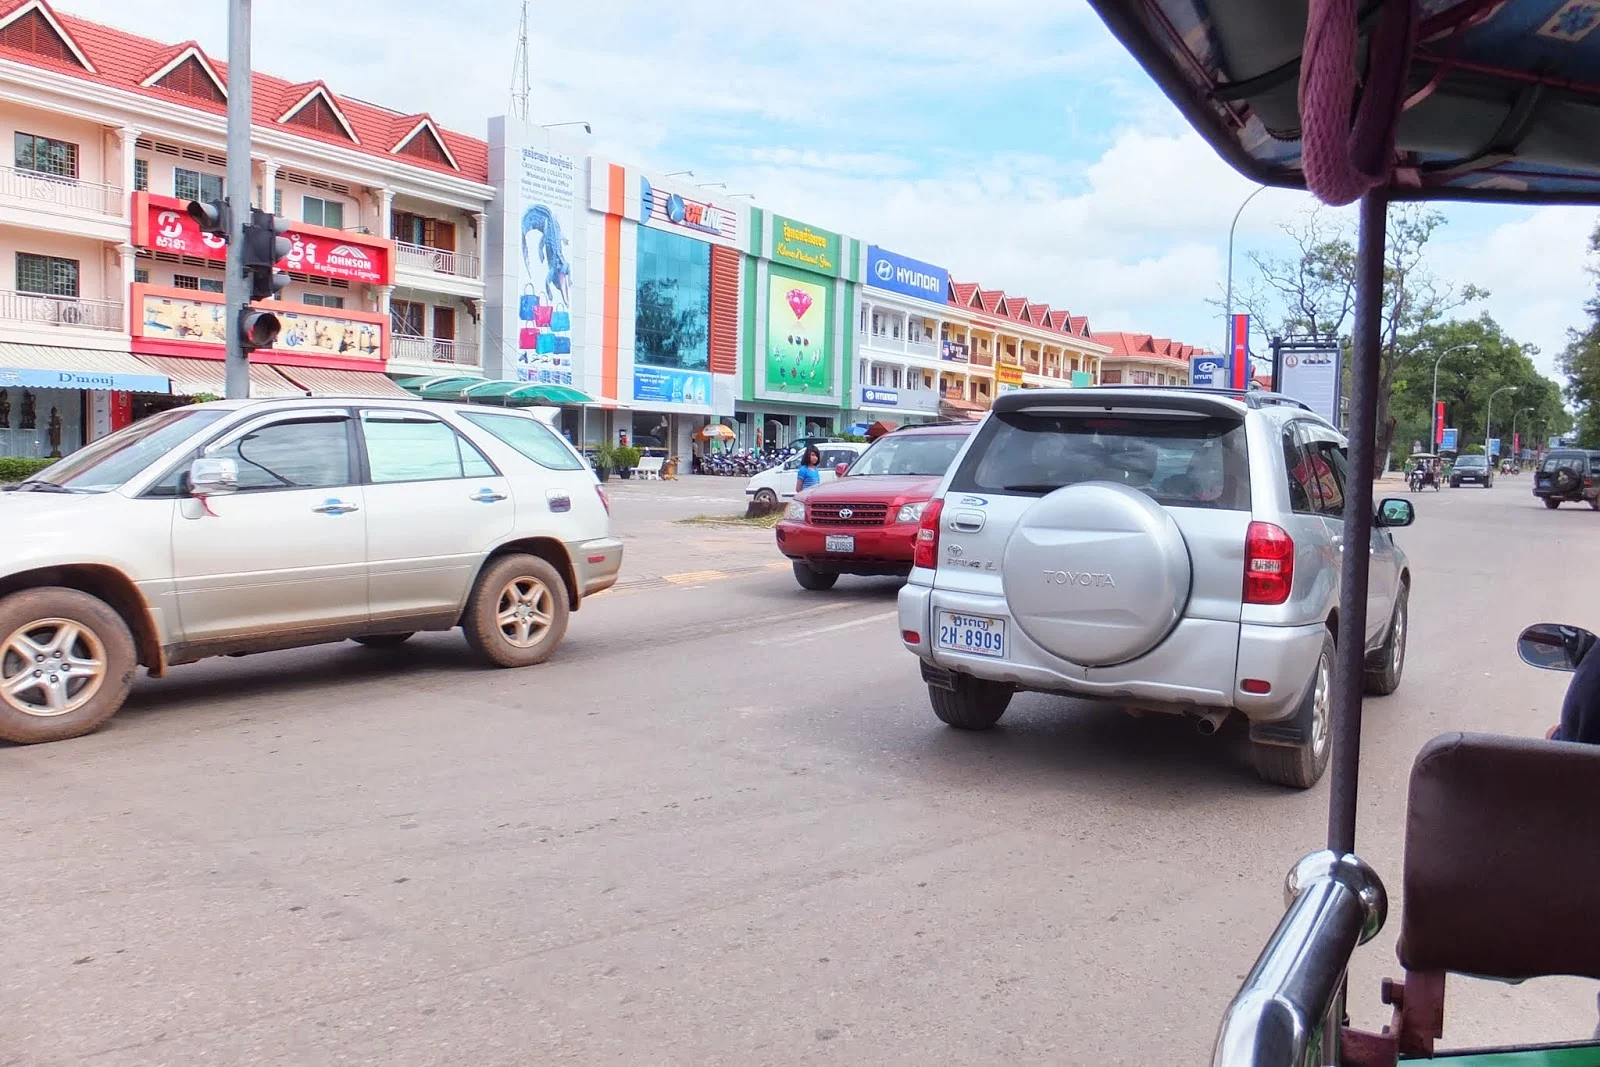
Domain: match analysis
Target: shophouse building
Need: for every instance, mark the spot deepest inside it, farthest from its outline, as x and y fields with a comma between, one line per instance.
x=111, y=298
x=1141, y=359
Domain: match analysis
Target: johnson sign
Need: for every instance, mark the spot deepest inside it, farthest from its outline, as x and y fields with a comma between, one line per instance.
x=163, y=224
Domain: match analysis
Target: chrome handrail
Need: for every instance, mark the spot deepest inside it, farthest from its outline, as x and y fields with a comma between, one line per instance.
x=1281, y=1015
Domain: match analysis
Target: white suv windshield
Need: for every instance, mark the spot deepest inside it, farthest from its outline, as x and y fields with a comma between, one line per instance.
x=111, y=461
x=914, y=454
x=1180, y=461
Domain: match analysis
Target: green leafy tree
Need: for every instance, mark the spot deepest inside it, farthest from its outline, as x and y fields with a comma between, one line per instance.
x=1580, y=362
x=1311, y=295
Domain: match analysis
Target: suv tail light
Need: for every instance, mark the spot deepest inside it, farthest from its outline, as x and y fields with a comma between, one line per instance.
x=926, y=553
x=1268, y=564
x=605, y=501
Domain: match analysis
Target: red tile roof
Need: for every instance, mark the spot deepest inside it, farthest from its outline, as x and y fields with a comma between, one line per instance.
x=993, y=301
x=961, y=294
x=1143, y=346
x=968, y=296
x=124, y=60
x=1079, y=325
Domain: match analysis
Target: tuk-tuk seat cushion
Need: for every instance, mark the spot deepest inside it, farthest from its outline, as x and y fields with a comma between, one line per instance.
x=1502, y=858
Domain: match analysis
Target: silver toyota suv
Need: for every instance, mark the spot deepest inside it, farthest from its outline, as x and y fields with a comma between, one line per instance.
x=1170, y=550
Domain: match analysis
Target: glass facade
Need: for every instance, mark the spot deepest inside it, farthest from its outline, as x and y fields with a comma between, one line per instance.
x=672, y=321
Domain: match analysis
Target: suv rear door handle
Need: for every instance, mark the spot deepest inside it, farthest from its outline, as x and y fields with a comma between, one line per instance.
x=334, y=507
x=487, y=496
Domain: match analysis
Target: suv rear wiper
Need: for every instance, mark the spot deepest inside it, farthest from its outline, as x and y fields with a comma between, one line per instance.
x=1029, y=488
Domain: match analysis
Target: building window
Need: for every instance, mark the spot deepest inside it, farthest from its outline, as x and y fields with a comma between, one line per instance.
x=322, y=300
x=185, y=281
x=406, y=318
x=141, y=276
x=193, y=185
x=47, y=274
x=46, y=155
x=319, y=212
x=422, y=231
x=674, y=301
x=211, y=285
x=277, y=201
x=141, y=175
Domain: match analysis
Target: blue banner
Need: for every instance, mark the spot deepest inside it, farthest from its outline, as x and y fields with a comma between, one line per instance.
x=883, y=398
x=1210, y=371
x=1447, y=439
x=668, y=386
x=908, y=277
x=1494, y=446
x=77, y=379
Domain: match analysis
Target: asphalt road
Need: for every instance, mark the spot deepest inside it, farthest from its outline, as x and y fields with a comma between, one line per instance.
x=721, y=827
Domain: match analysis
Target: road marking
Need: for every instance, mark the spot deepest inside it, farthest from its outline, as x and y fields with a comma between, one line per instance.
x=693, y=577
x=805, y=635
x=780, y=565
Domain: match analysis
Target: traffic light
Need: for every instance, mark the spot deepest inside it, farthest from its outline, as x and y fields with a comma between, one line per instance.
x=257, y=329
x=263, y=247
x=211, y=216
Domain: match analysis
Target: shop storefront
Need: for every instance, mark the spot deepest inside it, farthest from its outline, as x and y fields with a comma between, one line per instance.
x=901, y=318
x=800, y=298
x=53, y=400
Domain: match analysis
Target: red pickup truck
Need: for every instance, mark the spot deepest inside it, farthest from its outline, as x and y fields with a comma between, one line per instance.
x=866, y=521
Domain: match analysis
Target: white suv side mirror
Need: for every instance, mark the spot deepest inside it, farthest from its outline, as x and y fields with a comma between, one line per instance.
x=213, y=476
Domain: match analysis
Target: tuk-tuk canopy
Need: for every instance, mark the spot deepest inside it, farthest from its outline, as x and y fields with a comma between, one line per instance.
x=1497, y=100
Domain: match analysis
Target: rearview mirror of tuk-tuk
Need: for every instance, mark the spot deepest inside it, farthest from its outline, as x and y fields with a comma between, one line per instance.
x=1396, y=512
x=1553, y=647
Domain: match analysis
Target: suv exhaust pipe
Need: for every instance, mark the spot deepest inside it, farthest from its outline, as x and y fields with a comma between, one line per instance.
x=1209, y=722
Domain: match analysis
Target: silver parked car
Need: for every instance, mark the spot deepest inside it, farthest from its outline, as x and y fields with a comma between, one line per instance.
x=1172, y=550
x=245, y=526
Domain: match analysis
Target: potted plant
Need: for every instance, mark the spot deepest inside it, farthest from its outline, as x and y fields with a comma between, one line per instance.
x=605, y=460
x=626, y=458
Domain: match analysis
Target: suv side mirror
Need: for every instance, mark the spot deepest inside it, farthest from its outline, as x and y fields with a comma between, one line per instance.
x=1551, y=646
x=1395, y=512
x=841, y=468
x=213, y=476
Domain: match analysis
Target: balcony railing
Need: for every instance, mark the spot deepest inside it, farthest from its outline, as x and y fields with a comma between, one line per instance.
x=73, y=311
x=434, y=350
x=438, y=261
x=40, y=188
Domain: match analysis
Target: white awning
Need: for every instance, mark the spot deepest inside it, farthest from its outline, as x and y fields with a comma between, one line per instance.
x=323, y=381
x=54, y=367
x=192, y=377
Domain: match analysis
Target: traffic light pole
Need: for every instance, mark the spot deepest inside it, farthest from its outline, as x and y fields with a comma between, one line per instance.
x=236, y=288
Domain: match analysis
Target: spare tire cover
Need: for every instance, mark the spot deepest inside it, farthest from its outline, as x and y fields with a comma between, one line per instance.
x=1096, y=573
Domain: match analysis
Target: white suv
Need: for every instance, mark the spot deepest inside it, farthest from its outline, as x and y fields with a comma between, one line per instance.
x=1172, y=550
x=246, y=526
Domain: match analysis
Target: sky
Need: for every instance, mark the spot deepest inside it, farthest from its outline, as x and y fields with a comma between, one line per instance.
x=1019, y=148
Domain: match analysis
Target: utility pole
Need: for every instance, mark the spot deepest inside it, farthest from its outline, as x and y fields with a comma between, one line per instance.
x=235, y=288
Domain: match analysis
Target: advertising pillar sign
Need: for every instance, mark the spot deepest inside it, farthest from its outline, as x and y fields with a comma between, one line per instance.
x=1239, y=368
x=895, y=273
x=1449, y=439
x=1310, y=374
x=1516, y=444
x=1438, y=423
x=548, y=183
x=1494, y=446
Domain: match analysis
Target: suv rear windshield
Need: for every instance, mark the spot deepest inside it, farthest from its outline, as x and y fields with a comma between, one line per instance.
x=1556, y=460
x=1178, y=460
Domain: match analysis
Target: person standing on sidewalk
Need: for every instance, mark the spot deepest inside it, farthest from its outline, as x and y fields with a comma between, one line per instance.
x=809, y=473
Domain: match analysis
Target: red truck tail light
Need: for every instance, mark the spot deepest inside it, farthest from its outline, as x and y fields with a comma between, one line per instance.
x=1268, y=564
x=926, y=553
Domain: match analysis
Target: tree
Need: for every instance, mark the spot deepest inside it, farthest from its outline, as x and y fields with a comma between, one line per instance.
x=1478, y=359
x=1312, y=295
x=1580, y=362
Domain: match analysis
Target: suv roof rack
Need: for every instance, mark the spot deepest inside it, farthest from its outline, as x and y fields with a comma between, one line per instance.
x=1253, y=398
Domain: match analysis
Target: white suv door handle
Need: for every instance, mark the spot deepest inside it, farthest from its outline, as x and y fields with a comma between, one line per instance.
x=487, y=496
x=334, y=507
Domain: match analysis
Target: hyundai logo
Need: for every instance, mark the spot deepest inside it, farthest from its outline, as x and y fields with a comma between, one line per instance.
x=845, y=513
x=883, y=269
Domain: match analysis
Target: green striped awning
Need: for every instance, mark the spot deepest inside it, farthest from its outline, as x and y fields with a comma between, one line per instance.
x=448, y=388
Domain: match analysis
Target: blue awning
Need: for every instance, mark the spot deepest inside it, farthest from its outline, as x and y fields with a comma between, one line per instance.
x=51, y=367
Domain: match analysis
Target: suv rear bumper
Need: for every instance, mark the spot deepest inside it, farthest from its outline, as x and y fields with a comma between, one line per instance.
x=1202, y=663
x=596, y=563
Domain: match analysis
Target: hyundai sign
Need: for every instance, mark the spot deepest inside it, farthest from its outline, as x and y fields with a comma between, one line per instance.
x=1209, y=371
x=883, y=398
x=908, y=277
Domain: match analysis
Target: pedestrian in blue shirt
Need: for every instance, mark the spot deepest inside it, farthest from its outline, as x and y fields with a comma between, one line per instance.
x=809, y=474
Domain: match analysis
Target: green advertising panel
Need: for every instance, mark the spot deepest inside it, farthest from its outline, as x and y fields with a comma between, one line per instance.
x=799, y=335
x=807, y=247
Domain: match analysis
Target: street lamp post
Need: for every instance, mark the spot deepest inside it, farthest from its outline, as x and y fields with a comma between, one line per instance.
x=1227, y=315
x=1488, y=415
x=1433, y=408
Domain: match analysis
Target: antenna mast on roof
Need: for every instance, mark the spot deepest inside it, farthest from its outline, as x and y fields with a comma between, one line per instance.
x=520, y=87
